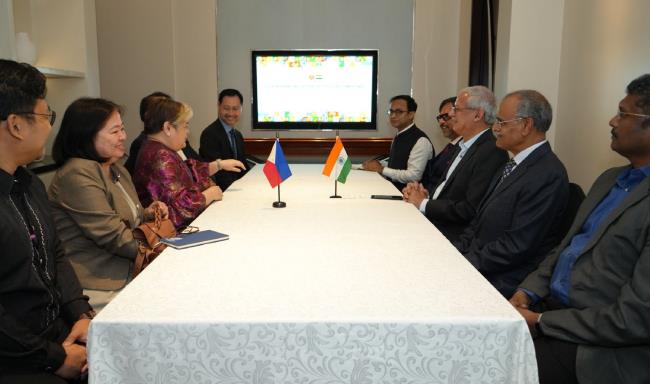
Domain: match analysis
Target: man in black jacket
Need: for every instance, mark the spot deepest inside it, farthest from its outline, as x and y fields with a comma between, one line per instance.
x=221, y=140
x=411, y=148
x=519, y=220
x=44, y=315
x=452, y=204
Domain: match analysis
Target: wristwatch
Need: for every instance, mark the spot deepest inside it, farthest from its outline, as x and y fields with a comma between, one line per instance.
x=90, y=314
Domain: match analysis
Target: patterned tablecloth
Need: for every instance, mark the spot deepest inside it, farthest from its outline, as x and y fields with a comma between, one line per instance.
x=350, y=290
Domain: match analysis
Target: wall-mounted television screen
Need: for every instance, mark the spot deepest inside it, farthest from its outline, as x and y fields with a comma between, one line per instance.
x=314, y=89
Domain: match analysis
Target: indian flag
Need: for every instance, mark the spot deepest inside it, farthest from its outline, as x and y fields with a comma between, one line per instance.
x=338, y=161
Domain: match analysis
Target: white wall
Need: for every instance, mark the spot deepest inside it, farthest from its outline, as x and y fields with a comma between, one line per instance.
x=171, y=45
x=440, y=59
x=604, y=46
x=158, y=45
x=529, y=45
x=65, y=37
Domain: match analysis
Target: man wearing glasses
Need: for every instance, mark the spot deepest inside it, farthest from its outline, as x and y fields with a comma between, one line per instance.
x=452, y=204
x=589, y=300
x=411, y=148
x=519, y=220
x=437, y=166
x=44, y=316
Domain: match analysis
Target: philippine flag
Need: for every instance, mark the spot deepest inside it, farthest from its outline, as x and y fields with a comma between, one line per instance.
x=276, y=168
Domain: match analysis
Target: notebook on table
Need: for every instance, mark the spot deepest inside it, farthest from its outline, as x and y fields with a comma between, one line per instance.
x=193, y=239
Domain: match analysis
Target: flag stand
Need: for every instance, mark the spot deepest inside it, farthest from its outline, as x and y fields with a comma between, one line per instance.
x=279, y=203
x=335, y=195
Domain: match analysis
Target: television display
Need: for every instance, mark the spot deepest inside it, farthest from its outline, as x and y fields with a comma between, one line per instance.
x=314, y=89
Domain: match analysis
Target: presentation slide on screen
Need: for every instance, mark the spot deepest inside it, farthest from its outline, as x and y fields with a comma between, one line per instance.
x=314, y=88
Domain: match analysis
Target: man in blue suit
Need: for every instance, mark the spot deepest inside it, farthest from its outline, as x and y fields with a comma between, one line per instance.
x=518, y=220
x=589, y=299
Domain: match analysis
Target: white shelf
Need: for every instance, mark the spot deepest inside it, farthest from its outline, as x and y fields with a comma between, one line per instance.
x=55, y=73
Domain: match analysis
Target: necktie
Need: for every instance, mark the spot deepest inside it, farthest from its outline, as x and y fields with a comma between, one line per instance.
x=510, y=165
x=233, y=143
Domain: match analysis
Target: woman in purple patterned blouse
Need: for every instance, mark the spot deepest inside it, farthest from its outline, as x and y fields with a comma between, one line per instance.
x=162, y=174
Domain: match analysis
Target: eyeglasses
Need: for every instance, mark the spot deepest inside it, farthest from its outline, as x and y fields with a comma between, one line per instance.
x=443, y=117
x=395, y=112
x=460, y=109
x=621, y=114
x=51, y=116
x=501, y=123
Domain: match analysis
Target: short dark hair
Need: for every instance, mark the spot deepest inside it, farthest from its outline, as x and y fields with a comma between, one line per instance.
x=230, y=92
x=81, y=122
x=411, y=105
x=21, y=86
x=144, y=103
x=446, y=101
x=641, y=88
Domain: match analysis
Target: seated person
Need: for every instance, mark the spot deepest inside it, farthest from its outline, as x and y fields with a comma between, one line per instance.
x=451, y=204
x=44, y=315
x=436, y=167
x=188, y=152
x=589, y=301
x=411, y=148
x=94, y=203
x=520, y=218
x=161, y=173
x=221, y=140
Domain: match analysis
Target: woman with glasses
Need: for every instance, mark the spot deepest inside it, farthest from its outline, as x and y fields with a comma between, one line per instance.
x=160, y=172
x=93, y=199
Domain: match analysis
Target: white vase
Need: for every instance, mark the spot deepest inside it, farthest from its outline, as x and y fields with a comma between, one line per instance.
x=25, y=49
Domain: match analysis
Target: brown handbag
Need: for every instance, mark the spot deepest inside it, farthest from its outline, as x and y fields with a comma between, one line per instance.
x=148, y=235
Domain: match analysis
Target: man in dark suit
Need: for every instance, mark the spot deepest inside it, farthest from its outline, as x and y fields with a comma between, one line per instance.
x=410, y=150
x=220, y=140
x=590, y=298
x=437, y=166
x=129, y=164
x=452, y=204
x=518, y=221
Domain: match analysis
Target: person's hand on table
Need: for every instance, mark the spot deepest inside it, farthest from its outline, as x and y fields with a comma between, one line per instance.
x=75, y=362
x=232, y=165
x=416, y=194
x=373, y=166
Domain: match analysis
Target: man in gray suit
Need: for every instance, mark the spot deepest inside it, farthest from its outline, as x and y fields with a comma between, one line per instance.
x=589, y=300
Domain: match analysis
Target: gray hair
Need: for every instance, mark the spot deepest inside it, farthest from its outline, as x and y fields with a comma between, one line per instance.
x=534, y=105
x=483, y=98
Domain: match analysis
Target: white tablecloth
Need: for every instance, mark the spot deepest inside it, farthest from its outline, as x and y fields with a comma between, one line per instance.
x=348, y=290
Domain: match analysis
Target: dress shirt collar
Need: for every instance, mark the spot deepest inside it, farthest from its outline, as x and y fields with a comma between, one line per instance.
x=227, y=127
x=466, y=145
x=405, y=129
x=7, y=181
x=521, y=156
x=456, y=140
x=631, y=177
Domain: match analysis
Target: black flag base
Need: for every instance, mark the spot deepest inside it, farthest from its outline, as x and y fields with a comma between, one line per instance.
x=335, y=197
x=279, y=204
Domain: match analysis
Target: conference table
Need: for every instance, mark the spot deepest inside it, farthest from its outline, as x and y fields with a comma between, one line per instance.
x=325, y=290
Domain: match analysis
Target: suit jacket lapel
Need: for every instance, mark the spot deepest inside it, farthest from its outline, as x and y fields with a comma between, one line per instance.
x=519, y=171
x=637, y=194
x=470, y=153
